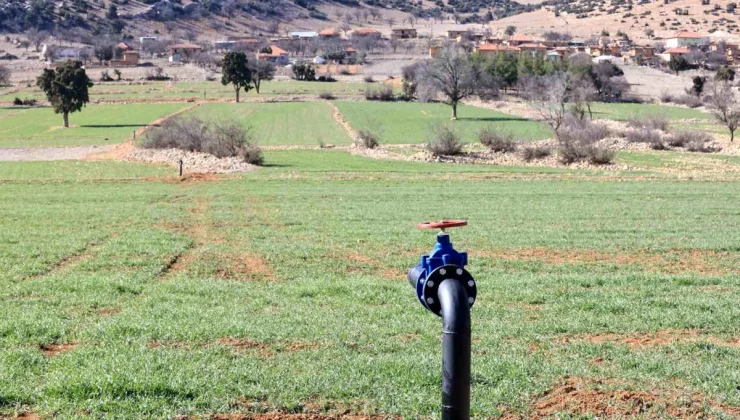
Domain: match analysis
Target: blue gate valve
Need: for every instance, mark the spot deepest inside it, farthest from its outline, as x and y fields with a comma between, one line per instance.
x=442, y=263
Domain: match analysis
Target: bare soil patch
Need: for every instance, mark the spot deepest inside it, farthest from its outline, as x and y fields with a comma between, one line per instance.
x=239, y=266
x=706, y=262
x=615, y=399
x=52, y=350
x=286, y=416
x=652, y=339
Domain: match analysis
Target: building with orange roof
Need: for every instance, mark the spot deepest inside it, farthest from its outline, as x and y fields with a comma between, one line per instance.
x=518, y=39
x=493, y=49
x=684, y=39
x=674, y=52
x=276, y=55
x=183, y=52
x=365, y=32
x=329, y=33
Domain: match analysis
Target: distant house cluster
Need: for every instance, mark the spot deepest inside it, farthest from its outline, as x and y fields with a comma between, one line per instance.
x=603, y=48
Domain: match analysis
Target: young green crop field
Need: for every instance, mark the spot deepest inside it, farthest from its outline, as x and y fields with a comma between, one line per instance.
x=128, y=294
x=408, y=123
x=94, y=125
x=280, y=123
x=625, y=111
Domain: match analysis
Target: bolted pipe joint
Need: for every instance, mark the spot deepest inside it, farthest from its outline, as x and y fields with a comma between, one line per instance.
x=442, y=263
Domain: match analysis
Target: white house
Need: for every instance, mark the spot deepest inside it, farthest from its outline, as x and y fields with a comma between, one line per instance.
x=684, y=39
x=303, y=35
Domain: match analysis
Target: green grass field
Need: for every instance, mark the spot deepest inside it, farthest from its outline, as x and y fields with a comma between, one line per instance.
x=94, y=125
x=284, y=289
x=407, y=123
x=281, y=123
x=623, y=112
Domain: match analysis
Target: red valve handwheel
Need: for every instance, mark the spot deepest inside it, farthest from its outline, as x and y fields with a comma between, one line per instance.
x=442, y=224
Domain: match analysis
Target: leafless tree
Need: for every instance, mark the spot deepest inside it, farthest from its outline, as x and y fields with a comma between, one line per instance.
x=408, y=46
x=358, y=15
x=37, y=38
x=189, y=34
x=411, y=20
x=394, y=44
x=346, y=27
x=366, y=15
x=390, y=21
x=549, y=95
x=375, y=14
x=725, y=106
x=581, y=94
x=456, y=77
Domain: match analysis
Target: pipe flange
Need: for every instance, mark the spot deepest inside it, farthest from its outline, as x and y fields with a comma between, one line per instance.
x=429, y=297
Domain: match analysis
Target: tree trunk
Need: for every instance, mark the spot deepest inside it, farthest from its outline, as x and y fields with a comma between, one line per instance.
x=454, y=111
x=732, y=135
x=237, y=94
x=65, y=115
x=257, y=86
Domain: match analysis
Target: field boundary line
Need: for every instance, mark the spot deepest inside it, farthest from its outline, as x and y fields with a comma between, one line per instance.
x=339, y=118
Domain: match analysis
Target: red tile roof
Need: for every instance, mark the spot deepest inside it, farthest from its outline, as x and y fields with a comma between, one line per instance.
x=493, y=47
x=276, y=52
x=366, y=31
x=686, y=34
x=329, y=32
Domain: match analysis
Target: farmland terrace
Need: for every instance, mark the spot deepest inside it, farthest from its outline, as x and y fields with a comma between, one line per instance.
x=280, y=293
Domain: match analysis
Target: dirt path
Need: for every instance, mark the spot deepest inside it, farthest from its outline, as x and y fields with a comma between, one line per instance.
x=29, y=154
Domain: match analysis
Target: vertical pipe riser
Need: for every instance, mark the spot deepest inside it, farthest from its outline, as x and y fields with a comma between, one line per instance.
x=455, y=350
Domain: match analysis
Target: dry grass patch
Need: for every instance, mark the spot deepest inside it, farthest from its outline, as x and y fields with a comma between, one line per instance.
x=652, y=339
x=239, y=266
x=615, y=399
x=705, y=262
x=52, y=350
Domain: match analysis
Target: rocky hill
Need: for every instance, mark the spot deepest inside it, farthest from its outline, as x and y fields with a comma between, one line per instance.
x=216, y=18
x=642, y=20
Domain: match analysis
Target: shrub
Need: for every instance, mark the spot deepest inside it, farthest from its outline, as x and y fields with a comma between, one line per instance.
x=583, y=130
x=688, y=100
x=221, y=139
x=327, y=95
x=444, y=141
x=646, y=135
x=666, y=97
x=157, y=74
x=105, y=77
x=369, y=79
x=367, y=139
x=345, y=72
x=495, y=141
x=700, y=147
x=24, y=102
x=684, y=138
x=578, y=142
x=654, y=122
x=530, y=153
x=382, y=93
